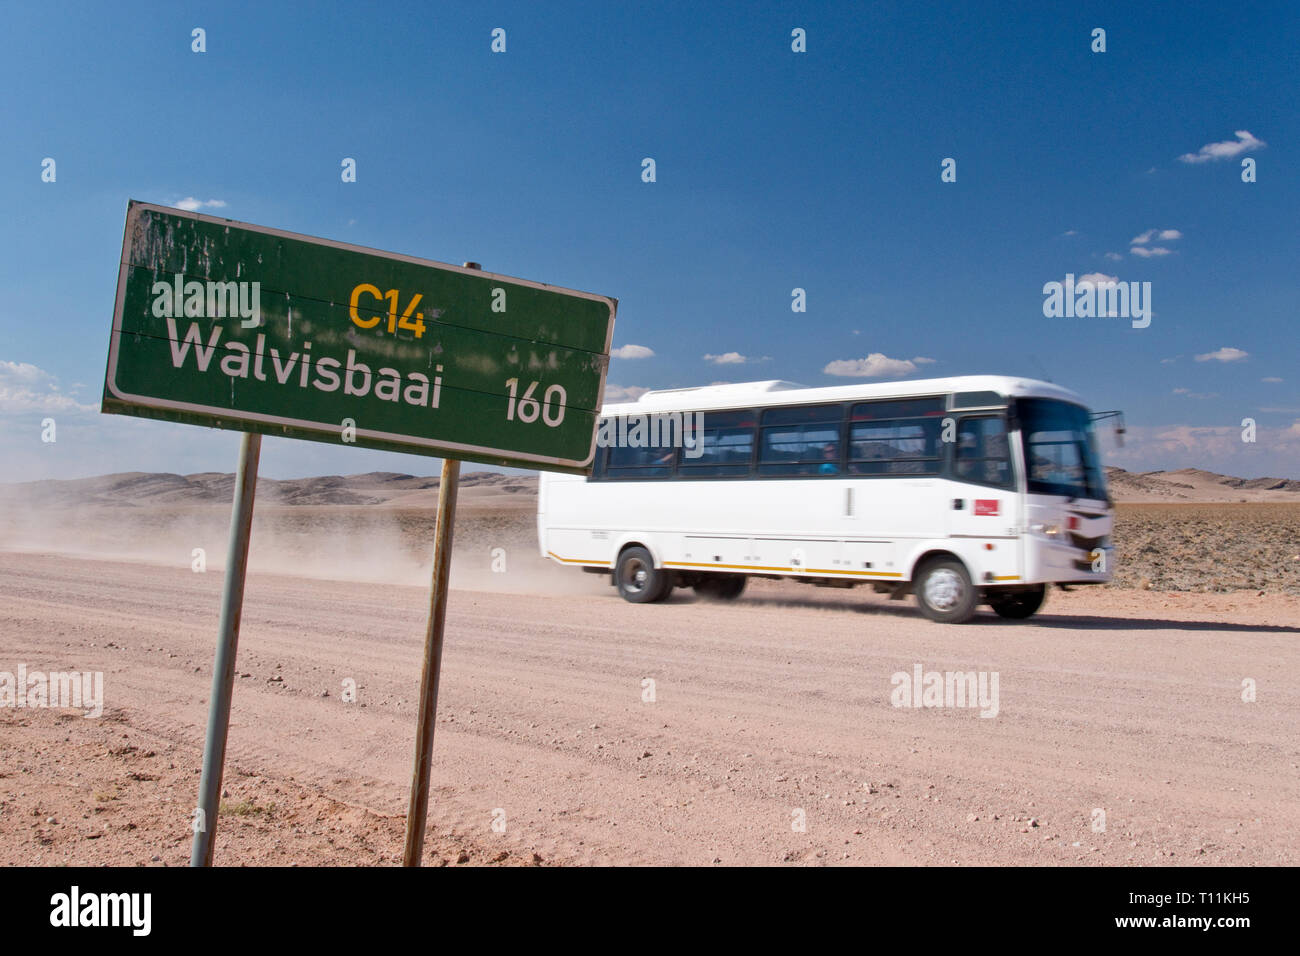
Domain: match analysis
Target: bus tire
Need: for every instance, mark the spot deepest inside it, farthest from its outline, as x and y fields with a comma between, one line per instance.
x=721, y=587
x=944, y=591
x=1017, y=604
x=638, y=580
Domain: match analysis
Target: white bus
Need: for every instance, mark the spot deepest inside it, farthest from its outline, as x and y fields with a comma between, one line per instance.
x=966, y=490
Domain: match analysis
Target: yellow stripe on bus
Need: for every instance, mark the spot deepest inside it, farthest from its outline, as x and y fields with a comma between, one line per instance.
x=576, y=560
x=747, y=567
x=750, y=567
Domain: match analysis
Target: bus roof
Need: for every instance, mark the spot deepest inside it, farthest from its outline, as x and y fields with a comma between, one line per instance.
x=776, y=392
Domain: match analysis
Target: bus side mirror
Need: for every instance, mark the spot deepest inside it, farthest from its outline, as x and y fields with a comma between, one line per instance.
x=1119, y=424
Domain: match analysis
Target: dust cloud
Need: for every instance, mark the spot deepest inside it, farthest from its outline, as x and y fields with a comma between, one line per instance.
x=494, y=547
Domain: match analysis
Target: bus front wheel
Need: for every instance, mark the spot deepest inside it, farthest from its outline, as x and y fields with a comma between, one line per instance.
x=944, y=591
x=638, y=580
x=1018, y=604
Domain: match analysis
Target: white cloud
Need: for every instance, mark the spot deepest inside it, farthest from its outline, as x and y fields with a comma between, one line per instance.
x=1218, y=448
x=875, y=365
x=1114, y=256
x=726, y=358
x=1140, y=247
x=1224, y=150
x=1138, y=244
x=24, y=373
x=26, y=388
x=1190, y=394
x=922, y=360
x=623, y=393
x=632, y=352
x=1272, y=379
x=1098, y=278
x=1225, y=354
x=190, y=204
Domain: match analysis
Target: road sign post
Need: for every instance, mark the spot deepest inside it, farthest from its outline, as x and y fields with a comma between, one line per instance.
x=431, y=671
x=223, y=668
x=237, y=326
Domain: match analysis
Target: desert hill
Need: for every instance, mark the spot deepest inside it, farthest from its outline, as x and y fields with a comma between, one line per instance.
x=1195, y=485
x=484, y=488
x=383, y=488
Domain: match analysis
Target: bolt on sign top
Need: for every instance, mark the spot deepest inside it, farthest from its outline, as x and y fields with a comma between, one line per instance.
x=230, y=325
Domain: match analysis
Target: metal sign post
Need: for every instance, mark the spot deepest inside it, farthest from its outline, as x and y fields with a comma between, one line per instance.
x=431, y=670
x=223, y=669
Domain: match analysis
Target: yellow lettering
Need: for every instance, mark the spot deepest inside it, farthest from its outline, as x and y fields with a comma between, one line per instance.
x=352, y=307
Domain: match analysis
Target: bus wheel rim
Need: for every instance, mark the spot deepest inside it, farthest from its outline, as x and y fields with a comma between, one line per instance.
x=943, y=589
x=635, y=576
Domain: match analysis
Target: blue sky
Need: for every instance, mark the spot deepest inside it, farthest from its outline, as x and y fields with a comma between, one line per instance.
x=775, y=170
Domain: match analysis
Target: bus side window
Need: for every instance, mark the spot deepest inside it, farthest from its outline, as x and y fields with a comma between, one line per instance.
x=725, y=449
x=982, y=454
x=802, y=440
x=598, y=464
x=896, y=437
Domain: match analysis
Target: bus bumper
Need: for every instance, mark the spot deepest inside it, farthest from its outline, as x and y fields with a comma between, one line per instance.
x=1065, y=564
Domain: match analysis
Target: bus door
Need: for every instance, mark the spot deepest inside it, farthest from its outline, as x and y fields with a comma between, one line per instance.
x=893, y=496
x=984, y=506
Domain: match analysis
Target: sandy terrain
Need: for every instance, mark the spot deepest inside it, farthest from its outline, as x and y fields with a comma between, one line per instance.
x=1121, y=700
x=1126, y=699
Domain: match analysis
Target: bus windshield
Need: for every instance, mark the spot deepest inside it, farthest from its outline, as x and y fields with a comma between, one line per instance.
x=1060, y=449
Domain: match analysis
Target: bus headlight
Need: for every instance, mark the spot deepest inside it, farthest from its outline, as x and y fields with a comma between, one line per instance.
x=1046, y=530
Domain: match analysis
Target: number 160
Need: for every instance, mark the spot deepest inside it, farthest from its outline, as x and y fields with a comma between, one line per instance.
x=551, y=407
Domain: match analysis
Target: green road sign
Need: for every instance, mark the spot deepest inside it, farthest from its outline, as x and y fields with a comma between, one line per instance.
x=225, y=324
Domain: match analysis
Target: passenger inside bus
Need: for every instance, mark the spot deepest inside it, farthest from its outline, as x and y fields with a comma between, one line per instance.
x=830, y=459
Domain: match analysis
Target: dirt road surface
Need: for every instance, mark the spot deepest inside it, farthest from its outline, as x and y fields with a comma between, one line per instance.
x=769, y=712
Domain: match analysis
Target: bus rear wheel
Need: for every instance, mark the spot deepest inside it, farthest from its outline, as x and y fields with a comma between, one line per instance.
x=721, y=587
x=638, y=580
x=944, y=591
x=1018, y=604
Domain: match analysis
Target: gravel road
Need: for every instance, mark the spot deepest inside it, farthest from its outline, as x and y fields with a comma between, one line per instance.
x=769, y=714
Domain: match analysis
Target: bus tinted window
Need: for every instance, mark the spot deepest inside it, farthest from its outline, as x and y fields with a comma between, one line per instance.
x=895, y=448
x=726, y=446
x=982, y=453
x=890, y=438
x=901, y=408
x=802, y=440
x=598, y=464
x=640, y=463
x=977, y=399
x=1060, y=449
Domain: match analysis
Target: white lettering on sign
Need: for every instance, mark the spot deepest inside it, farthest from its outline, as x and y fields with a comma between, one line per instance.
x=356, y=377
x=551, y=407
